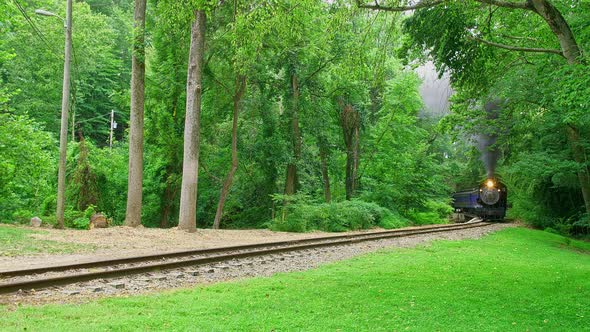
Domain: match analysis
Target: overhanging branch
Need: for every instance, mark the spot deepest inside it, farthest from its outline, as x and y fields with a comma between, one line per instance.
x=507, y=4
x=421, y=4
x=516, y=48
x=432, y=3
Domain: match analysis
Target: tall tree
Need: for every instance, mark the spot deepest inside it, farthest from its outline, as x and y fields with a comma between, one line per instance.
x=569, y=49
x=240, y=86
x=190, y=163
x=350, y=122
x=323, y=147
x=292, y=180
x=135, y=180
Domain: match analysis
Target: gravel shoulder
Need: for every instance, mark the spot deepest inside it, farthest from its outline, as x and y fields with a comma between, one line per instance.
x=118, y=242
x=235, y=270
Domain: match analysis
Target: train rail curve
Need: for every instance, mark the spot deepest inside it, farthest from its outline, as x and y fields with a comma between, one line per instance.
x=59, y=275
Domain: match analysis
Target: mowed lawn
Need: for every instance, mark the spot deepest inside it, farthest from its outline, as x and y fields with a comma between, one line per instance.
x=513, y=280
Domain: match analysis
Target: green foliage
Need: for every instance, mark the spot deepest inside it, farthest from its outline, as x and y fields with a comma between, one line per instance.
x=393, y=219
x=446, y=286
x=100, y=68
x=99, y=180
x=335, y=217
x=26, y=167
x=435, y=212
x=21, y=216
x=84, y=182
x=453, y=52
x=545, y=96
x=339, y=55
x=404, y=171
x=83, y=222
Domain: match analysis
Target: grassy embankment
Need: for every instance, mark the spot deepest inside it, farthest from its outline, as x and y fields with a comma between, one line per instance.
x=516, y=279
x=15, y=241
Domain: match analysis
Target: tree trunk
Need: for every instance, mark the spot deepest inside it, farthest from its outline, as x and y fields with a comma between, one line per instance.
x=239, y=93
x=324, y=166
x=135, y=179
x=569, y=48
x=350, y=122
x=167, y=205
x=170, y=193
x=558, y=24
x=580, y=157
x=571, y=52
x=268, y=161
x=356, y=157
x=292, y=181
x=190, y=164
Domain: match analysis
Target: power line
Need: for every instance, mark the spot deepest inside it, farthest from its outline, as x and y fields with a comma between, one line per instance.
x=36, y=30
x=41, y=37
x=96, y=117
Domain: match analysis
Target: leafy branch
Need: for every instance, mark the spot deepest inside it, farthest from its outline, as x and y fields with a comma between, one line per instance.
x=516, y=48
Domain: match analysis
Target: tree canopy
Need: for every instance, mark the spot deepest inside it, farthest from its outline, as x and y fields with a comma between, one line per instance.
x=302, y=105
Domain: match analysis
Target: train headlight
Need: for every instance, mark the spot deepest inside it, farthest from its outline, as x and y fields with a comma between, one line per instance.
x=490, y=183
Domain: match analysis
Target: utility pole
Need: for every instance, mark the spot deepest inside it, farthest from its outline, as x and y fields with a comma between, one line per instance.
x=65, y=101
x=112, y=127
x=63, y=138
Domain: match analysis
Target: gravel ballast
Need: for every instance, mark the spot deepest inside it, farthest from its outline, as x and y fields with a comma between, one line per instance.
x=119, y=242
x=262, y=266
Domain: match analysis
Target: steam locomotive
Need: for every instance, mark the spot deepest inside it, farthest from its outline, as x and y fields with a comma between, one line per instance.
x=488, y=201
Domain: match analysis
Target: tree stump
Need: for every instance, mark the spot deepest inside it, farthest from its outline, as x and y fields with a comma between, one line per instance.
x=98, y=220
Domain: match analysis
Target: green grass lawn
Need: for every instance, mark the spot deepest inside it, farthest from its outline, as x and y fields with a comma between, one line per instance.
x=15, y=241
x=513, y=280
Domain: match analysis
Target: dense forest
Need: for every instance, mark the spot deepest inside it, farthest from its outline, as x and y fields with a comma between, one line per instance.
x=294, y=114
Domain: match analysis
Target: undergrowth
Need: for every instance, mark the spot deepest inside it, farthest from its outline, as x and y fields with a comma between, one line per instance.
x=336, y=217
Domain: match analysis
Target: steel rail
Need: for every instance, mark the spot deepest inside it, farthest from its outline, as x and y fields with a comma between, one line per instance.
x=41, y=283
x=192, y=252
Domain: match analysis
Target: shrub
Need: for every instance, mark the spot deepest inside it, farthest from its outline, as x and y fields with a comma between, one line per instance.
x=434, y=212
x=394, y=220
x=83, y=221
x=336, y=217
x=100, y=179
x=442, y=208
x=27, y=169
x=22, y=216
x=582, y=225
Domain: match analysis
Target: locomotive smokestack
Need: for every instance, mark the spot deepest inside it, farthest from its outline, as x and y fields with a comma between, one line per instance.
x=488, y=137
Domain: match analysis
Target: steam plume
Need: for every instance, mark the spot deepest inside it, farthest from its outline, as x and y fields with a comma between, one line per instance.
x=487, y=138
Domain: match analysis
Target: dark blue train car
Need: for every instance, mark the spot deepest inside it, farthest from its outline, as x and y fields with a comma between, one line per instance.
x=488, y=201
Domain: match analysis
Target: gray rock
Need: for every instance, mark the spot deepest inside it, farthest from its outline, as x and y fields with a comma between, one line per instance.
x=72, y=292
x=36, y=222
x=117, y=285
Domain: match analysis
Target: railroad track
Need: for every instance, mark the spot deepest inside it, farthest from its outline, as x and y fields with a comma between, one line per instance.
x=59, y=275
